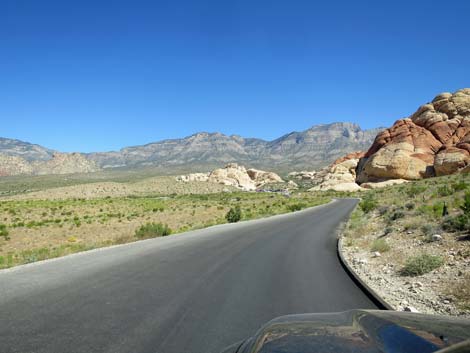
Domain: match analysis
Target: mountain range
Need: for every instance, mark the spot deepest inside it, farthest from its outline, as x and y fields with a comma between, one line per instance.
x=309, y=149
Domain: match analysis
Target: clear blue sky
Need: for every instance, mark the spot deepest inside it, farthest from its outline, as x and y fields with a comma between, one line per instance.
x=100, y=75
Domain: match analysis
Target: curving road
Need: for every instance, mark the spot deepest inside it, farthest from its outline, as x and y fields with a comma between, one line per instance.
x=192, y=293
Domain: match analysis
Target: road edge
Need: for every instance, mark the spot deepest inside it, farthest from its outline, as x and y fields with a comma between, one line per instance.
x=371, y=294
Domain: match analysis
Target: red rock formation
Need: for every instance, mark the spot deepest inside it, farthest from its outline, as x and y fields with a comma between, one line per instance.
x=435, y=140
x=352, y=155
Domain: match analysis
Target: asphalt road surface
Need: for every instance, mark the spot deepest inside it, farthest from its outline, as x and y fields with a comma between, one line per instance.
x=191, y=293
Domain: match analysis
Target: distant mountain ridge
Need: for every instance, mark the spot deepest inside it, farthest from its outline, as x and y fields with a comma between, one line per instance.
x=309, y=149
x=30, y=152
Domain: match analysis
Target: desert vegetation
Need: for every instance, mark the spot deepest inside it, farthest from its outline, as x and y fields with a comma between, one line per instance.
x=414, y=239
x=34, y=226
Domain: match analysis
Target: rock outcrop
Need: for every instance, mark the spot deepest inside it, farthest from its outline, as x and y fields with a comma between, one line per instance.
x=235, y=175
x=193, y=177
x=303, y=175
x=261, y=177
x=341, y=175
x=383, y=184
x=435, y=140
x=12, y=165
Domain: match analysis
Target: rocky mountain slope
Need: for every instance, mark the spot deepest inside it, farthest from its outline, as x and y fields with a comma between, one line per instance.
x=25, y=150
x=59, y=163
x=311, y=149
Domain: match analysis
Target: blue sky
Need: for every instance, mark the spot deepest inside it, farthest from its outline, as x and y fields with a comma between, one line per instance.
x=101, y=75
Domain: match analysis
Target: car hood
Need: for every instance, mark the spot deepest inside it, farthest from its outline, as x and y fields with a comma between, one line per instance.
x=365, y=331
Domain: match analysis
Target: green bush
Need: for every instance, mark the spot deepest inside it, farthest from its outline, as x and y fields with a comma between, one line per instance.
x=152, y=230
x=396, y=214
x=380, y=245
x=234, y=214
x=368, y=204
x=466, y=204
x=456, y=224
x=421, y=264
x=383, y=210
x=4, y=231
x=429, y=229
x=444, y=190
x=459, y=186
x=434, y=210
x=414, y=190
x=296, y=207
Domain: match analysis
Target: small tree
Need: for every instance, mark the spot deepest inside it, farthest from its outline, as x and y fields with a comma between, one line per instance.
x=234, y=215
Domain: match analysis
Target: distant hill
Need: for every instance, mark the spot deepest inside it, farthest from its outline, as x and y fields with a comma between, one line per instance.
x=309, y=149
x=25, y=150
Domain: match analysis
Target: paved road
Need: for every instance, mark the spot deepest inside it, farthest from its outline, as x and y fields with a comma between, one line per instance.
x=192, y=293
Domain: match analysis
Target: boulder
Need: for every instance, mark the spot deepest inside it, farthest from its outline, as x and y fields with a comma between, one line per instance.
x=303, y=175
x=435, y=140
x=193, y=177
x=383, y=184
x=233, y=175
x=339, y=176
x=261, y=177
x=451, y=160
x=292, y=185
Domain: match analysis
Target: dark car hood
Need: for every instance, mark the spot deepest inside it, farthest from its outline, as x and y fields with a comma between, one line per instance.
x=365, y=331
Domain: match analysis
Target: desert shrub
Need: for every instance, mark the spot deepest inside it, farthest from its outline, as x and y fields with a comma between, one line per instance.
x=396, y=214
x=368, y=204
x=444, y=190
x=383, y=210
x=296, y=206
x=456, y=223
x=234, y=214
x=466, y=204
x=380, y=245
x=459, y=186
x=415, y=189
x=421, y=264
x=434, y=210
x=429, y=229
x=4, y=231
x=152, y=230
x=460, y=222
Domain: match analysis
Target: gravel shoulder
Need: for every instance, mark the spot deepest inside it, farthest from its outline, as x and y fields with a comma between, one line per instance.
x=431, y=293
